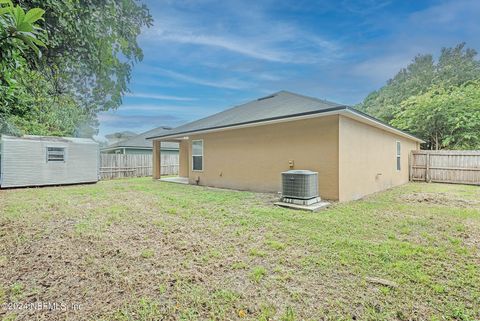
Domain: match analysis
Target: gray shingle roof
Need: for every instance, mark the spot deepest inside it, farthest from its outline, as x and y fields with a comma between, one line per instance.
x=140, y=140
x=282, y=104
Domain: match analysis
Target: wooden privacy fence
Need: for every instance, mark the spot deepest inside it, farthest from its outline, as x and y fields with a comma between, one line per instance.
x=445, y=166
x=135, y=165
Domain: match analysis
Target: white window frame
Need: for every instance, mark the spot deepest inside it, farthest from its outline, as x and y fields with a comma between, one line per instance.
x=56, y=161
x=398, y=155
x=202, y=155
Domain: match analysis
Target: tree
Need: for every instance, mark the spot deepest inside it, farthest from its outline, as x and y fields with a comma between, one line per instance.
x=19, y=29
x=37, y=112
x=438, y=101
x=455, y=66
x=412, y=80
x=447, y=117
x=92, y=47
x=19, y=37
x=86, y=67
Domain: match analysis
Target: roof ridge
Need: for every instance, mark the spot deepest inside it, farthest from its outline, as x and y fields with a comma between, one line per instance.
x=285, y=100
x=251, y=101
x=313, y=98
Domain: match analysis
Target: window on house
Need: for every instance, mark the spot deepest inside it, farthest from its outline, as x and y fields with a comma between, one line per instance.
x=197, y=155
x=55, y=154
x=398, y=156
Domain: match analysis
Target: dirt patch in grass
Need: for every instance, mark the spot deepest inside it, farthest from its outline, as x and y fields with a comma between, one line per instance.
x=439, y=198
x=144, y=250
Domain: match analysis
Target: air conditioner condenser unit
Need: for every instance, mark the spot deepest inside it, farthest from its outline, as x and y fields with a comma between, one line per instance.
x=300, y=187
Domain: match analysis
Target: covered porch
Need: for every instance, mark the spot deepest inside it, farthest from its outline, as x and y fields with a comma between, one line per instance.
x=183, y=161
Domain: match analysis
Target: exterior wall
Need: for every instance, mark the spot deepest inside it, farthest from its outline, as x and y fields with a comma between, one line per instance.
x=253, y=158
x=184, y=158
x=367, y=159
x=24, y=163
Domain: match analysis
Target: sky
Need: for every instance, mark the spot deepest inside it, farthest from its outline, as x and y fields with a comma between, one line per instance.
x=204, y=56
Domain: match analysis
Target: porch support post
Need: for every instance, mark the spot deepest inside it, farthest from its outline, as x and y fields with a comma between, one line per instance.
x=183, y=159
x=157, y=160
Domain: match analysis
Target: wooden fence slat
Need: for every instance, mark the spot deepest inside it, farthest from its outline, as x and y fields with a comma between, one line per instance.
x=135, y=165
x=427, y=168
x=453, y=166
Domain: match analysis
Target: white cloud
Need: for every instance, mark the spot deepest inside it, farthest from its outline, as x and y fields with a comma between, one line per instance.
x=380, y=69
x=250, y=32
x=286, y=46
x=159, y=97
x=365, y=7
x=240, y=46
x=453, y=15
x=224, y=83
x=105, y=118
x=138, y=122
x=149, y=107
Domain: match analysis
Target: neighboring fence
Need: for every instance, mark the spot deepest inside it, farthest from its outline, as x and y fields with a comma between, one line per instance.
x=135, y=165
x=445, y=166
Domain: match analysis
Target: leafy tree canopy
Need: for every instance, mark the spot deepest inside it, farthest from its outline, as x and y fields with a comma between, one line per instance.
x=445, y=117
x=19, y=29
x=85, y=68
x=20, y=37
x=438, y=101
x=455, y=66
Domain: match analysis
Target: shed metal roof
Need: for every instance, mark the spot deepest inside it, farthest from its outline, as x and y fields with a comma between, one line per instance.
x=51, y=139
x=282, y=105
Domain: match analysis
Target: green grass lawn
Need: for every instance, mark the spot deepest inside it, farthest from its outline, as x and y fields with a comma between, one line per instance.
x=137, y=249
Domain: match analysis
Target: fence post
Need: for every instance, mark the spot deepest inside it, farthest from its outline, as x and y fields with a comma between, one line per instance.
x=410, y=166
x=447, y=166
x=427, y=168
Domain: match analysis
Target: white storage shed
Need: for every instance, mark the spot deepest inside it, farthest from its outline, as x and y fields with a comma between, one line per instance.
x=43, y=160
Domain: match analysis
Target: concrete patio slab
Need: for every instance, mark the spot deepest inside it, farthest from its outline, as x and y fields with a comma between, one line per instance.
x=175, y=179
x=312, y=208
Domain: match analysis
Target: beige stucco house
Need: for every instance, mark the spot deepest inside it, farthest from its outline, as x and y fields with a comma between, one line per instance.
x=247, y=147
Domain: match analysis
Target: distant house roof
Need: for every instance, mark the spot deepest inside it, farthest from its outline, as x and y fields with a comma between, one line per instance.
x=140, y=141
x=116, y=137
x=282, y=105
